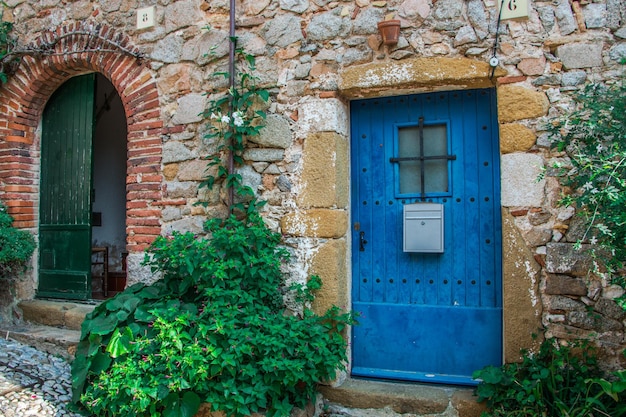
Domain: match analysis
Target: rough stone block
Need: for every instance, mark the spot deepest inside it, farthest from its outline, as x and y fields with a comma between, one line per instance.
x=466, y=403
x=190, y=108
x=565, y=17
x=323, y=115
x=517, y=103
x=275, y=134
x=515, y=137
x=563, y=258
x=324, y=223
x=595, y=15
x=264, y=154
x=560, y=303
x=565, y=285
x=325, y=171
x=283, y=30
x=329, y=263
x=175, y=151
x=532, y=66
x=610, y=309
x=580, y=55
x=195, y=170
x=519, y=172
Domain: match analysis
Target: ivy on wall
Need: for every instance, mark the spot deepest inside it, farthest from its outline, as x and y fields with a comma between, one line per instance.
x=594, y=137
x=7, y=43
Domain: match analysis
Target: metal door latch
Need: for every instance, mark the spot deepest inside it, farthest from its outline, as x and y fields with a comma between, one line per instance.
x=362, y=241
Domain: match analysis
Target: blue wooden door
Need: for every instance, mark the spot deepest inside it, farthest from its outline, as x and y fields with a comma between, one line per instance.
x=426, y=316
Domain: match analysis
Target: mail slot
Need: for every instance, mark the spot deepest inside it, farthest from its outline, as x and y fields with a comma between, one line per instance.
x=423, y=228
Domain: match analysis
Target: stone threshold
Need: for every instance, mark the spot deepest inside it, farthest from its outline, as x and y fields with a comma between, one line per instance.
x=365, y=397
x=56, y=313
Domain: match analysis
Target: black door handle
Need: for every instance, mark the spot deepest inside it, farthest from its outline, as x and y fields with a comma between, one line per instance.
x=362, y=241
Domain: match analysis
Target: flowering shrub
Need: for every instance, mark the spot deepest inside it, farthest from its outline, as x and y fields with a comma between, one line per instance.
x=215, y=328
x=594, y=137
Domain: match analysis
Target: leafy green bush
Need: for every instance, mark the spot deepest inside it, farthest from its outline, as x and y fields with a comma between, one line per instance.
x=7, y=42
x=214, y=330
x=16, y=246
x=594, y=137
x=558, y=381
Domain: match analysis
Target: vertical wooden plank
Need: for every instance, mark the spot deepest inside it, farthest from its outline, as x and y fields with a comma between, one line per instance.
x=361, y=152
x=379, y=228
x=489, y=201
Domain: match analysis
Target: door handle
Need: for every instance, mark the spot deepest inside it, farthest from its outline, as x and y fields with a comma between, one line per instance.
x=362, y=241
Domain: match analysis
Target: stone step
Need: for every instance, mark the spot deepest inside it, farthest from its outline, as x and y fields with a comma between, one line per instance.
x=49, y=325
x=53, y=340
x=62, y=314
x=372, y=398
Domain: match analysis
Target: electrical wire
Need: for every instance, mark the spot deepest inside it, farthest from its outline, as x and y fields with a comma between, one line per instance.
x=495, y=43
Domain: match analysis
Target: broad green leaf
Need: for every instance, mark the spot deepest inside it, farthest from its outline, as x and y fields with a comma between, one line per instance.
x=120, y=342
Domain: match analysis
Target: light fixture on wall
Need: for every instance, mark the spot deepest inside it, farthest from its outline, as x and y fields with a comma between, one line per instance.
x=390, y=31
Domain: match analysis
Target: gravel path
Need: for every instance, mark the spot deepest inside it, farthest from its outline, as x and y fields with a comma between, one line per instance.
x=33, y=383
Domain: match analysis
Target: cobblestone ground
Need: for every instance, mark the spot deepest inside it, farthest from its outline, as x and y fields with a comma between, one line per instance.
x=33, y=383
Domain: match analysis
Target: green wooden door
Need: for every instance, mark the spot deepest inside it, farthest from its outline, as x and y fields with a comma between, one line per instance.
x=65, y=202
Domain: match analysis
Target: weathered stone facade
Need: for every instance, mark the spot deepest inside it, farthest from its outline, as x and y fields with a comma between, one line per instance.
x=315, y=56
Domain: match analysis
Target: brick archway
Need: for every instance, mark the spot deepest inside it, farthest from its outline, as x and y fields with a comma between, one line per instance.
x=23, y=99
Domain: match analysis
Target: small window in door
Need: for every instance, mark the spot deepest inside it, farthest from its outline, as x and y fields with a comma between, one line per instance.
x=422, y=158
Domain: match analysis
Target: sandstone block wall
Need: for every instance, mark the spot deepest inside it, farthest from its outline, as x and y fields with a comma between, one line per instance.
x=315, y=56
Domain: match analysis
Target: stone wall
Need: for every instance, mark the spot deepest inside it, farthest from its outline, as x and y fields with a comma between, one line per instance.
x=315, y=56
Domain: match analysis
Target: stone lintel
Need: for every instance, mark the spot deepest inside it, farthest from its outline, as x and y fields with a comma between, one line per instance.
x=414, y=75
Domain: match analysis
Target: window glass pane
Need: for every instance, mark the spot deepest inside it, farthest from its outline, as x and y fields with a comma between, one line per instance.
x=435, y=170
x=410, y=171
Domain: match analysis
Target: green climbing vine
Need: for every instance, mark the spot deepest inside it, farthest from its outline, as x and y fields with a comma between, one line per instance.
x=234, y=117
x=8, y=60
x=594, y=137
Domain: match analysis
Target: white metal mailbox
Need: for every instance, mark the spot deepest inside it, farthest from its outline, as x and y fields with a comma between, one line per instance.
x=423, y=228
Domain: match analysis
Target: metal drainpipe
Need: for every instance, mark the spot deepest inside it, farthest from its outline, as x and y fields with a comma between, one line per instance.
x=231, y=70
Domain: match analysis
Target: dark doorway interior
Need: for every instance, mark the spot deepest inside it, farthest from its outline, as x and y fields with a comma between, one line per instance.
x=108, y=233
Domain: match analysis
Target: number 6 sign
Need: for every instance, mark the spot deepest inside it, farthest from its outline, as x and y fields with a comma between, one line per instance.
x=513, y=9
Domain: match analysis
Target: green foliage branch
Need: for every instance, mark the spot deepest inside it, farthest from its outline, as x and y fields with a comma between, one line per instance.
x=594, y=137
x=215, y=328
x=16, y=246
x=560, y=380
x=7, y=43
x=234, y=117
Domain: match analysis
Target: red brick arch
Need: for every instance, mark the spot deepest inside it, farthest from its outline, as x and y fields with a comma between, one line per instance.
x=71, y=50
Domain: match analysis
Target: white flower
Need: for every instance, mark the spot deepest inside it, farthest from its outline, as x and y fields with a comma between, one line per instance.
x=237, y=118
x=214, y=116
x=593, y=240
x=225, y=119
x=588, y=186
x=599, y=148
